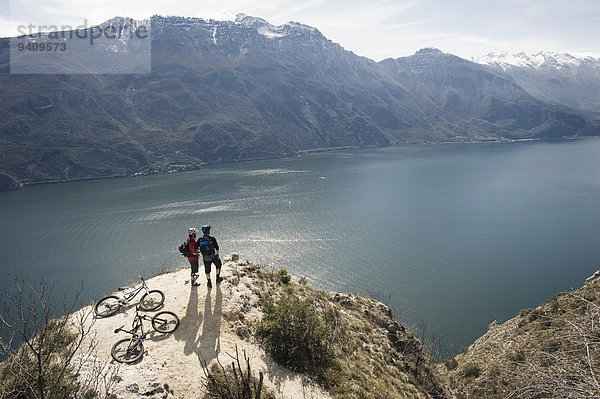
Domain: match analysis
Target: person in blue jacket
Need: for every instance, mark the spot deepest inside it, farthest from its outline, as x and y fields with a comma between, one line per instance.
x=209, y=248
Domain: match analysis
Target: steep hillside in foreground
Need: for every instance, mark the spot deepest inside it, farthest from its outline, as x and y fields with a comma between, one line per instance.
x=378, y=357
x=552, y=351
x=245, y=89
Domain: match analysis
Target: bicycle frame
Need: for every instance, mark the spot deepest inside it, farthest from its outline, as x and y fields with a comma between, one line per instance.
x=130, y=350
x=129, y=295
x=137, y=324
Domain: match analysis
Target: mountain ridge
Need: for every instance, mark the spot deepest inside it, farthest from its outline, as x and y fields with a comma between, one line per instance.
x=558, y=78
x=223, y=91
x=541, y=59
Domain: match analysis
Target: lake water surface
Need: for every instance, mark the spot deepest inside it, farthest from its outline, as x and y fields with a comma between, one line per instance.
x=455, y=236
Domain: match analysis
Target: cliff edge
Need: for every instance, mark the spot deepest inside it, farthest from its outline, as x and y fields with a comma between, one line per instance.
x=302, y=343
x=377, y=357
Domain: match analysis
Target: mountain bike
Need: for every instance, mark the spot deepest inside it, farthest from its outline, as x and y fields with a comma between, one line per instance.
x=109, y=305
x=130, y=350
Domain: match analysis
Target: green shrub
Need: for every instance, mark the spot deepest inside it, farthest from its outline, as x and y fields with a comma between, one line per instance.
x=590, y=297
x=21, y=373
x=554, y=305
x=40, y=349
x=525, y=312
x=284, y=277
x=297, y=336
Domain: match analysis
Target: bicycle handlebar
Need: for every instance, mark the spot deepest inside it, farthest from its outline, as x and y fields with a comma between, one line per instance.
x=119, y=329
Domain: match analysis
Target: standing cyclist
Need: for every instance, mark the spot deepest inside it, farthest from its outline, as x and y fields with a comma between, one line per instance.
x=193, y=259
x=210, y=254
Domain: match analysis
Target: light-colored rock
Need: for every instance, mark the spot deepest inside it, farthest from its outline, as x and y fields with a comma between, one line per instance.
x=346, y=300
x=593, y=277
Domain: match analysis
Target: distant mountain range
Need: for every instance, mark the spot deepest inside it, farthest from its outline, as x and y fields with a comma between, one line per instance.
x=559, y=78
x=245, y=89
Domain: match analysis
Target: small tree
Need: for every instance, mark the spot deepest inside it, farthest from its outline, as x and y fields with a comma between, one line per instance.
x=39, y=348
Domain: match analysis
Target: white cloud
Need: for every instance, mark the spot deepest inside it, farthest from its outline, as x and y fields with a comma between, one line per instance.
x=296, y=9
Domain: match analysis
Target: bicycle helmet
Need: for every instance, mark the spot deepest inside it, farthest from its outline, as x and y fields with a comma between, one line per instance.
x=192, y=230
x=206, y=229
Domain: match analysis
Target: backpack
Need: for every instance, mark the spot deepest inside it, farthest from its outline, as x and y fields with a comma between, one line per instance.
x=185, y=250
x=205, y=246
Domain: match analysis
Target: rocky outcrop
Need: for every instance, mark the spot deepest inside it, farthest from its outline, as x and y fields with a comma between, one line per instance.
x=383, y=358
x=593, y=277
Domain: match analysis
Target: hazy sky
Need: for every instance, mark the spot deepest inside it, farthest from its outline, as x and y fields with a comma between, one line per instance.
x=376, y=29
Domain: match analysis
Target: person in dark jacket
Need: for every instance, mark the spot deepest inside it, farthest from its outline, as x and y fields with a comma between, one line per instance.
x=209, y=248
x=193, y=247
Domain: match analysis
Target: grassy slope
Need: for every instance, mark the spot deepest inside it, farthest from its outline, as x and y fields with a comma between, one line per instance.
x=548, y=352
x=378, y=357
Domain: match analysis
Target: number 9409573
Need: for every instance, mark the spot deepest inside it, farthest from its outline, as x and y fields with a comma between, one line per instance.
x=34, y=46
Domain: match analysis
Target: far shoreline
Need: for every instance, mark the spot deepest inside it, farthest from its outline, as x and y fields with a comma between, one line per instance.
x=202, y=165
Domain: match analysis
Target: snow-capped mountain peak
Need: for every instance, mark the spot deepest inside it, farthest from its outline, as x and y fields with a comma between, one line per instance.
x=569, y=79
x=540, y=60
x=272, y=31
x=250, y=21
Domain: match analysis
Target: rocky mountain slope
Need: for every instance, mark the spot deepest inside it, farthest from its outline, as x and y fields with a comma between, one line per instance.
x=560, y=78
x=244, y=89
x=473, y=102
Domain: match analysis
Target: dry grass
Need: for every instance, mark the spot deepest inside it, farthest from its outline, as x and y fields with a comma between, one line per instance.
x=552, y=351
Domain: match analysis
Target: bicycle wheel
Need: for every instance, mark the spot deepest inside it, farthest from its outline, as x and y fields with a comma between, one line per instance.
x=152, y=300
x=107, y=306
x=127, y=350
x=165, y=322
